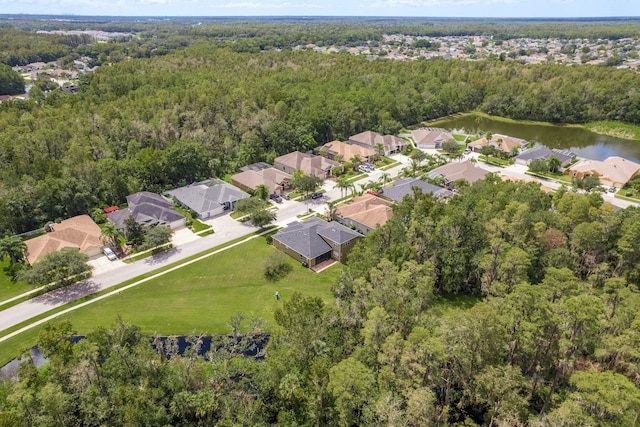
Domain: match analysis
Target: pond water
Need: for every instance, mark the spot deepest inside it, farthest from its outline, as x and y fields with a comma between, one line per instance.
x=582, y=142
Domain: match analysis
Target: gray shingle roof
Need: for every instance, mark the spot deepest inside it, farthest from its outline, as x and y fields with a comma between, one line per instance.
x=147, y=209
x=543, y=153
x=309, y=238
x=404, y=186
x=207, y=195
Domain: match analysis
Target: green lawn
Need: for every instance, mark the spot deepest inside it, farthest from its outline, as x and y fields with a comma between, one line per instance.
x=203, y=296
x=9, y=289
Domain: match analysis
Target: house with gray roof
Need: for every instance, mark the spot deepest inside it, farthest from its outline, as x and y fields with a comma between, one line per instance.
x=540, y=152
x=315, y=240
x=208, y=198
x=148, y=209
x=405, y=187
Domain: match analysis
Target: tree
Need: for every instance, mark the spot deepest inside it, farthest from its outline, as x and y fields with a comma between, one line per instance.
x=356, y=161
x=157, y=236
x=451, y=147
x=111, y=234
x=419, y=156
x=379, y=147
x=13, y=247
x=306, y=184
x=261, y=218
x=11, y=82
x=276, y=266
x=342, y=183
x=351, y=383
x=59, y=267
x=261, y=191
x=133, y=232
x=250, y=204
x=588, y=183
x=554, y=163
x=384, y=178
x=538, y=165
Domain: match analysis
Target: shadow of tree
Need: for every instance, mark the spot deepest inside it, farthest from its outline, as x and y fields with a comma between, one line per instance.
x=68, y=293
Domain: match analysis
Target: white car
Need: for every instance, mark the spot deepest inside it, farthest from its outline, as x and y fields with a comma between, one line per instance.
x=109, y=253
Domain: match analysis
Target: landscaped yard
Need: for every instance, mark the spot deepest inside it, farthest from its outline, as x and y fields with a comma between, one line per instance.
x=558, y=176
x=203, y=296
x=9, y=289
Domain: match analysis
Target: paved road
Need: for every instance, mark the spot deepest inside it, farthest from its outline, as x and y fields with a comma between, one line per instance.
x=107, y=274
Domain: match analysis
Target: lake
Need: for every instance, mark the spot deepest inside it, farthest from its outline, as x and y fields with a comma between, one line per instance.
x=582, y=142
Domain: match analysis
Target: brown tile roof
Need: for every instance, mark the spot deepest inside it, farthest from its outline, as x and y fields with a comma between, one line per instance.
x=615, y=169
x=272, y=178
x=79, y=232
x=311, y=165
x=370, y=139
x=507, y=144
x=451, y=172
x=430, y=136
x=347, y=151
x=368, y=210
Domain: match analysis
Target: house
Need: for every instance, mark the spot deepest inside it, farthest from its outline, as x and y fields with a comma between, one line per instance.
x=311, y=165
x=504, y=143
x=431, y=137
x=451, y=172
x=208, y=198
x=275, y=180
x=613, y=171
x=79, y=233
x=348, y=151
x=392, y=144
x=315, y=240
x=148, y=209
x=540, y=152
x=256, y=167
x=364, y=213
x=405, y=187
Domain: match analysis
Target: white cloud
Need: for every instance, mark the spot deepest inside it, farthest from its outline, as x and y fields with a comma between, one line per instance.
x=258, y=5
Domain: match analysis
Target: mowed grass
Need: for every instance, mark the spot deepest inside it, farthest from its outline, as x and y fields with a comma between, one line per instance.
x=8, y=288
x=203, y=296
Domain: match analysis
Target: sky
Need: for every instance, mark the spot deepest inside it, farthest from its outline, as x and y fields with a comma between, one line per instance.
x=417, y=8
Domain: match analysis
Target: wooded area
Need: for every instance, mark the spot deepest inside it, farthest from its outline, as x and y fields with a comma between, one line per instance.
x=201, y=111
x=553, y=341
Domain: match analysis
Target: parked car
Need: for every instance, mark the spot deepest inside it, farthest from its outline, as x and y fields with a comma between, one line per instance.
x=369, y=166
x=363, y=169
x=285, y=196
x=467, y=151
x=317, y=195
x=276, y=198
x=613, y=190
x=111, y=256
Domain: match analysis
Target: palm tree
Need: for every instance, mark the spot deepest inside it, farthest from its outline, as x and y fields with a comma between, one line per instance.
x=261, y=191
x=379, y=147
x=384, y=178
x=111, y=234
x=13, y=247
x=356, y=160
x=554, y=163
x=342, y=183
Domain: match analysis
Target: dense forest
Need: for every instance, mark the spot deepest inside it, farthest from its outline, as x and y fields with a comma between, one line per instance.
x=202, y=111
x=553, y=340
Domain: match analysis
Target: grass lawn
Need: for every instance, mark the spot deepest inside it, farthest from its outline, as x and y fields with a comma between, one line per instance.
x=558, y=176
x=203, y=296
x=9, y=289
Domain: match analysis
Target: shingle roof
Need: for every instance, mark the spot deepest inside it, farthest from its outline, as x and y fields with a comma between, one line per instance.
x=404, y=186
x=367, y=209
x=271, y=177
x=543, y=153
x=147, y=209
x=507, y=144
x=306, y=238
x=208, y=195
x=311, y=165
x=347, y=151
x=616, y=169
x=370, y=139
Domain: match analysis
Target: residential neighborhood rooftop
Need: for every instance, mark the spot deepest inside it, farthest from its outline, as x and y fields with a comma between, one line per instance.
x=454, y=171
x=404, y=187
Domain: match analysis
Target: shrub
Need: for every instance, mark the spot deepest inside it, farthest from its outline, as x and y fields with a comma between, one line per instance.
x=276, y=266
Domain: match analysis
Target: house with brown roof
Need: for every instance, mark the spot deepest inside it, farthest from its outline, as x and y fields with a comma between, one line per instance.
x=275, y=180
x=364, y=213
x=311, y=165
x=392, y=144
x=504, y=143
x=431, y=137
x=451, y=172
x=347, y=151
x=613, y=171
x=79, y=233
